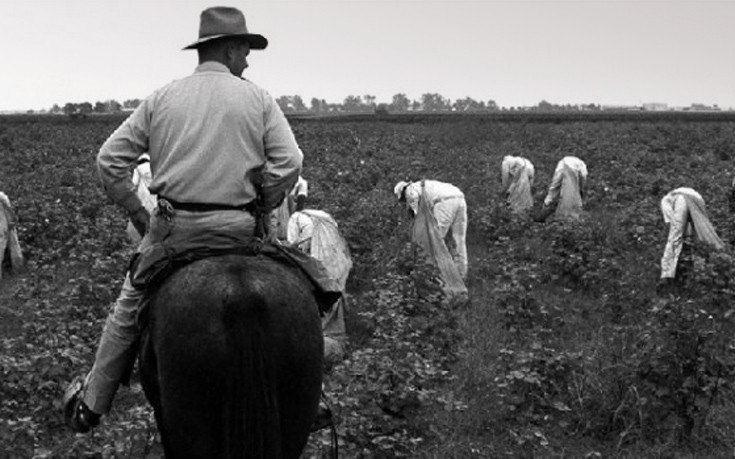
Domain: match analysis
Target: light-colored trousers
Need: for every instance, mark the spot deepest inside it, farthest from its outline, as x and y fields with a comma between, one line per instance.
x=678, y=225
x=335, y=334
x=451, y=214
x=115, y=350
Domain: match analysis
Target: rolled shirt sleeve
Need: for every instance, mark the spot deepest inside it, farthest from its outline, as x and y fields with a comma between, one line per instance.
x=284, y=158
x=118, y=156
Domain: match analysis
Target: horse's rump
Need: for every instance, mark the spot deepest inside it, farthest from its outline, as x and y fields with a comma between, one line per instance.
x=231, y=359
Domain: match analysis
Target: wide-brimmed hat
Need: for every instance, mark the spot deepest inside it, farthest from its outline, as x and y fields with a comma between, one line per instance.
x=223, y=21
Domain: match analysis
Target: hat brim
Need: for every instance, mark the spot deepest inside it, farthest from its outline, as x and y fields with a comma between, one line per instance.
x=256, y=41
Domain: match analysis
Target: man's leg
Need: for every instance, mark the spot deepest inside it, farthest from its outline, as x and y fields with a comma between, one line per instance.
x=16, y=254
x=675, y=239
x=459, y=235
x=114, y=354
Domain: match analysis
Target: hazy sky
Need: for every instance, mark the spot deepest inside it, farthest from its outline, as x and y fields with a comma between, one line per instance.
x=515, y=52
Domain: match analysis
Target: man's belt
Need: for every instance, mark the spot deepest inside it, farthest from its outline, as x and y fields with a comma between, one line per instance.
x=207, y=207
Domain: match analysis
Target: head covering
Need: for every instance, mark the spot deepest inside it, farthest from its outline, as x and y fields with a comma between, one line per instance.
x=223, y=21
x=398, y=189
x=144, y=158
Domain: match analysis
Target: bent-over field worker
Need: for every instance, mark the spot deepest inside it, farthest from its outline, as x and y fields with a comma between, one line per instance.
x=517, y=179
x=9, y=235
x=684, y=209
x=567, y=188
x=316, y=233
x=295, y=200
x=446, y=205
x=217, y=144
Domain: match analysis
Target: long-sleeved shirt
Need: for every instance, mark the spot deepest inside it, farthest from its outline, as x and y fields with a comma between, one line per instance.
x=577, y=166
x=511, y=166
x=436, y=191
x=208, y=135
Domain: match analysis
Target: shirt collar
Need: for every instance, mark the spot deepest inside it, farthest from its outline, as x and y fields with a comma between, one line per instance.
x=211, y=66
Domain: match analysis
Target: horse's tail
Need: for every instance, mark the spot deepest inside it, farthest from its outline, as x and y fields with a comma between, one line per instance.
x=252, y=423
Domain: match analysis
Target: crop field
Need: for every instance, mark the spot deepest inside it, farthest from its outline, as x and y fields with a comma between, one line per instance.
x=564, y=348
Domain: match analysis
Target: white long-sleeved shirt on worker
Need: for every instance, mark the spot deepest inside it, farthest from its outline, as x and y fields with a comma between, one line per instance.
x=207, y=134
x=449, y=208
x=512, y=166
x=577, y=166
x=436, y=191
x=517, y=179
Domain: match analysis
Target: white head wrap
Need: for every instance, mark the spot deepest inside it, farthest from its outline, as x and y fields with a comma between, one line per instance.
x=398, y=189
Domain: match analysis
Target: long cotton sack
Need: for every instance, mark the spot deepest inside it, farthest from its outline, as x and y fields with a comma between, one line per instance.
x=519, y=194
x=702, y=226
x=570, y=200
x=425, y=234
x=328, y=245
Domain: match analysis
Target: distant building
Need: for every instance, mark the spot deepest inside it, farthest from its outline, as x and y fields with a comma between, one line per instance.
x=621, y=108
x=703, y=108
x=655, y=107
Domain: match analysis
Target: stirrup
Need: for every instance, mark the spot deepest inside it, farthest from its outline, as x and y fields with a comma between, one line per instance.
x=324, y=416
x=76, y=413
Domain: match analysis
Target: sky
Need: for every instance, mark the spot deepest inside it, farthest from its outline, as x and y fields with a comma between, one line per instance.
x=515, y=52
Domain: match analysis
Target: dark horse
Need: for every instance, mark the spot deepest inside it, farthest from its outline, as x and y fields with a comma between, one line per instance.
x=231, y=359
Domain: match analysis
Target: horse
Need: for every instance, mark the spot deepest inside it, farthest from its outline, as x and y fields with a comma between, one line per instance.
x=231, y=359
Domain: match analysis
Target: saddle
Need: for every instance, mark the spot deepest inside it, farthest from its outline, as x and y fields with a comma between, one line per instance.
x=149, y=268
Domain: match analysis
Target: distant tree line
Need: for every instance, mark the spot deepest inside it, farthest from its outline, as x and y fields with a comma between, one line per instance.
x=86, y=108
x=429, y=102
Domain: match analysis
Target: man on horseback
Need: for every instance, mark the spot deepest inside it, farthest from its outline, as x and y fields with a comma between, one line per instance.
x=220, y=151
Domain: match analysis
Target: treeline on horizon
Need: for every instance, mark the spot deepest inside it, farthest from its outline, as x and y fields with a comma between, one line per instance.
x=429, y=102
